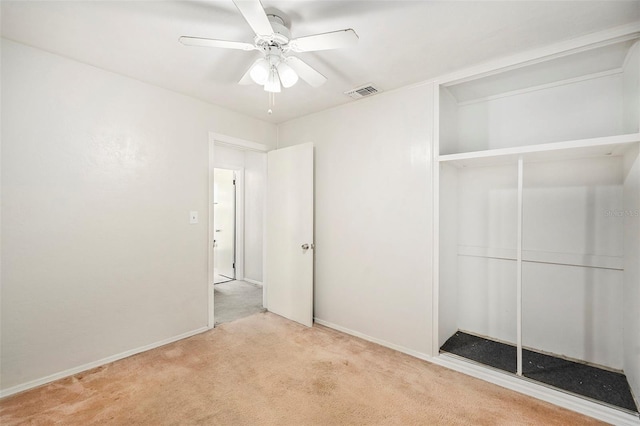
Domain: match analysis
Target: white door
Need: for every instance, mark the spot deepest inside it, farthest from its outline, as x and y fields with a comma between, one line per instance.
x=224, y=214
x=289, y=251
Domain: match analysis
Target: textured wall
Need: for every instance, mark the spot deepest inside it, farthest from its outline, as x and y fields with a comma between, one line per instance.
x=373, y=204
x=99, y=173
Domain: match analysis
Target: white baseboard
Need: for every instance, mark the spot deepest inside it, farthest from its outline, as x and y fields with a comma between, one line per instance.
x=250, y=281
x=559, y=398
x=380, y=342
x=70, y=372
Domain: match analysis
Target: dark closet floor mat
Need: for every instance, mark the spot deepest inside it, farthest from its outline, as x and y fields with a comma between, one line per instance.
x=592, y=382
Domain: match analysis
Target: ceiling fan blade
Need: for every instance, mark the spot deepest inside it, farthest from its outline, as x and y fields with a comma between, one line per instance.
x=209, y=42
x=255, y=16
x=326, y=41
x=305, y=72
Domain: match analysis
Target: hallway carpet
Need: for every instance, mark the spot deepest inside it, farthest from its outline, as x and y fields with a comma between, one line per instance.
x=236, y=299
x=265, y=370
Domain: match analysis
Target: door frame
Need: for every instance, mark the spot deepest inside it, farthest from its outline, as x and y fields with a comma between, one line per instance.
x=217, y=139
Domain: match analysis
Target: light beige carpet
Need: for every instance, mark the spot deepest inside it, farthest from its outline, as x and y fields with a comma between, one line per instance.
x=265, y=370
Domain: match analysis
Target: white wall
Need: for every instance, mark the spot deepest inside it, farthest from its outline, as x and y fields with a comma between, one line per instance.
x=631, y=190
x=631, y=93
x=255, y=184
x=448, y=131
x=99, y=173
x=487, y=207
x=373, y=202
x=580, y=110
x=573, y=310
x=448, y=256
x=228, y=157
x=254, y=165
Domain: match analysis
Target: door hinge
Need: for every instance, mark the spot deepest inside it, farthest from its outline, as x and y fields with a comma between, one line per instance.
x=234, y=265
x=234, y=181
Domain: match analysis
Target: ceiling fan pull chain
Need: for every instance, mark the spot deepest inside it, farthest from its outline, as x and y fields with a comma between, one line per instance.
x=272, y=102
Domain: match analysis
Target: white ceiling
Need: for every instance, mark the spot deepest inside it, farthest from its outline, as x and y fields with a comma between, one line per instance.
x=401, y=42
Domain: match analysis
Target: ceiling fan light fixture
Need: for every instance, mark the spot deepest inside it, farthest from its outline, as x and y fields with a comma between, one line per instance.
x=260, y=71
x=288, y=76
x=273, y=82
x=274, y=70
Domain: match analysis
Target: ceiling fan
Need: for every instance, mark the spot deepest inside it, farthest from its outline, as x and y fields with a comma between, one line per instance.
x=276, y=68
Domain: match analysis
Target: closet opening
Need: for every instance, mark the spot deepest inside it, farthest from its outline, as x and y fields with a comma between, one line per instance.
x=539, y=222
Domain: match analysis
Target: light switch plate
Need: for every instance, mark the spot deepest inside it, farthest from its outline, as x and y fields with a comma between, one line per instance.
x=193, y=217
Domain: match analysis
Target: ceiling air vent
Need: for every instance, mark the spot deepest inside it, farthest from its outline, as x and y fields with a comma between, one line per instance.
x=362, y=91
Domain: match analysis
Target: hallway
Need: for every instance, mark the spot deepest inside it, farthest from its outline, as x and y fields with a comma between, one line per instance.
x=236, y=299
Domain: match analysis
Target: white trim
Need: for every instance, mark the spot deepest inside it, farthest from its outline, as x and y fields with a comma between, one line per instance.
x=239, y=225
x=582, y=148
x=250, y=281
x=519, y=272
x=70, y=372
x=236, y=143
x=210, y=264
x=211, y=322
x=368, y=338
x=435, y=188
x=265, y=286
x=544, y=393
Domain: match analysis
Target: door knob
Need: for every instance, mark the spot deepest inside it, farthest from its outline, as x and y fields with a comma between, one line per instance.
x=307, y=246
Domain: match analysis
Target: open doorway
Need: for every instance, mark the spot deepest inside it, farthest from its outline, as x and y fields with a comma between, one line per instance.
x=224, y=224
x=236, y=230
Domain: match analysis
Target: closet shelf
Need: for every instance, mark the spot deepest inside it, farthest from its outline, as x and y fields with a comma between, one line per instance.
x=583, y=148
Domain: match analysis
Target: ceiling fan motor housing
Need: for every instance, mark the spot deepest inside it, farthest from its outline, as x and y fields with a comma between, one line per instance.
x=281, y=34
x=273, y=55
